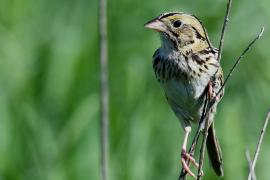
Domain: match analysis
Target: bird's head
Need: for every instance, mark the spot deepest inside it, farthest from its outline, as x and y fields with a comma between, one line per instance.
x=180, y=31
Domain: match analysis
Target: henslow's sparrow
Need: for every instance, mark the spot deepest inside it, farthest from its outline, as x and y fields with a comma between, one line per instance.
x=187, y=68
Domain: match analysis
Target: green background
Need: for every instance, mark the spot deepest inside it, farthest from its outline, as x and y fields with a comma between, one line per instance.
x=49, y=90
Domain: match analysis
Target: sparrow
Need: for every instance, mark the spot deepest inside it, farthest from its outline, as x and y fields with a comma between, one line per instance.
x=188, y=71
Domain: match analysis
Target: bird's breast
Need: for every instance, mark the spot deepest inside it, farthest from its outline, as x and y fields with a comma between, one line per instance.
x=183, y=90
x=184, y=97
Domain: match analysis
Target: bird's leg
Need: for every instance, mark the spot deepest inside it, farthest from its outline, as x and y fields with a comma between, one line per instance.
x=185, y=157
x=210, y=90
x=211, y=93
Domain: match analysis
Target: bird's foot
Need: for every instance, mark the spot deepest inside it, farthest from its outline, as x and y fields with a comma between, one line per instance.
x=211, y=93
x=185, y=159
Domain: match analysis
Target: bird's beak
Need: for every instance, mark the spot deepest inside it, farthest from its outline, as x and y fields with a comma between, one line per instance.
x=156, y=25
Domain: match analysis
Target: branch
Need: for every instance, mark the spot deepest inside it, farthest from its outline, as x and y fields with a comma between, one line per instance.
x=104, y=92
x=240, y=58
x=253, y=176
x=225, y=23
x=258, y=147
x=203, y=146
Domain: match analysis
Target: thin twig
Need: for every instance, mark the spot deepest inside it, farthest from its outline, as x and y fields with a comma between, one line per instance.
x=253, y=177
x=240, y=58
x=258, y=147
x=225, y=23
x=104, y=92
x=203, y=146
x=213, y=100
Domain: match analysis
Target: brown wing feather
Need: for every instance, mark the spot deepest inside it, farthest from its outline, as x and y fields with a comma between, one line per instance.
x=214, y=151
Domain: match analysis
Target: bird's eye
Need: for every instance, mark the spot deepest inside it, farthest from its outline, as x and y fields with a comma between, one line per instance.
x=177, y=23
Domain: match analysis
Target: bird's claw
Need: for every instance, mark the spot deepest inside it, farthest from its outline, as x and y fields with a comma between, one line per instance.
x=185, y=158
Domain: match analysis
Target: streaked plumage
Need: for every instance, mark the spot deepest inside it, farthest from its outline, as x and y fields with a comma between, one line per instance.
x=184, y=65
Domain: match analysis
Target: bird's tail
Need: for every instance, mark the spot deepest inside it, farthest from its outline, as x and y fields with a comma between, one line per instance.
x=214, y=151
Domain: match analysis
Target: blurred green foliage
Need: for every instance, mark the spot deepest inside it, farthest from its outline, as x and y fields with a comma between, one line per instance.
x=49, y=88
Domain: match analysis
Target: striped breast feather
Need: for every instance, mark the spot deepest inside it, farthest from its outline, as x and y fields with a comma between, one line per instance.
x=166, y=69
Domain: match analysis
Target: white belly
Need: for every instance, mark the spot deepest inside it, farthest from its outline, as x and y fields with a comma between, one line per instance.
x=185, y=97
